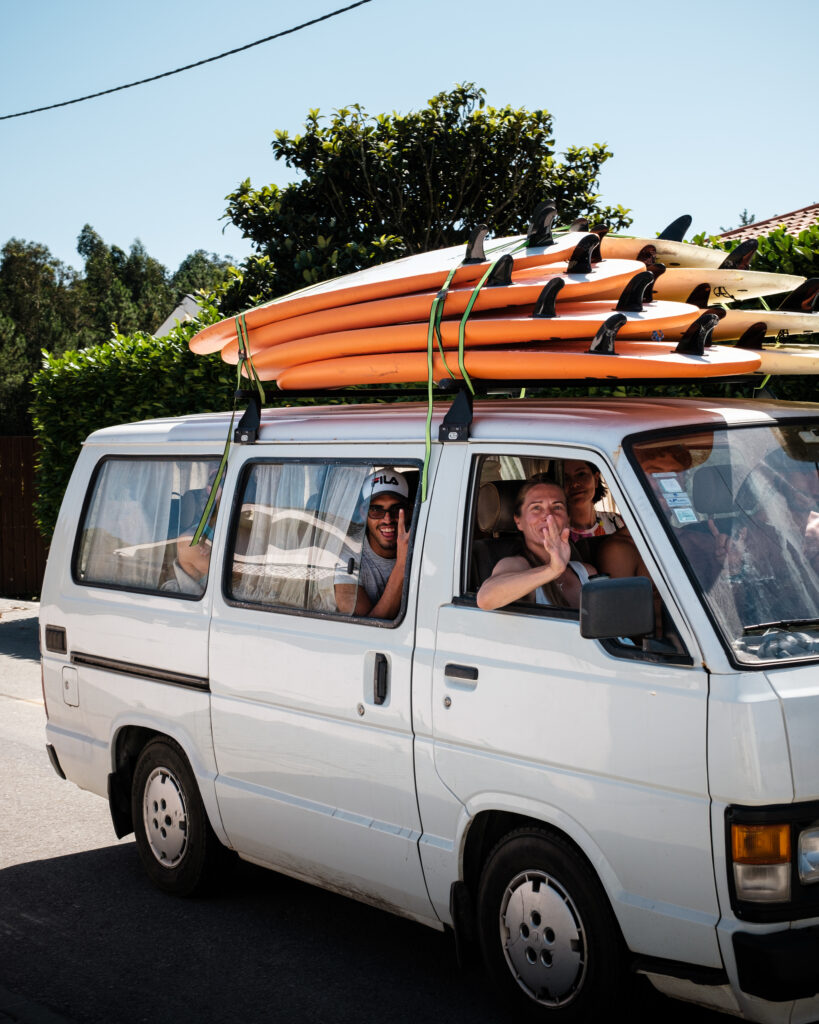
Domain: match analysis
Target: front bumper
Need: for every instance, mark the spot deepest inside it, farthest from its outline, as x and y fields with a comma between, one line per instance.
x=778, y=966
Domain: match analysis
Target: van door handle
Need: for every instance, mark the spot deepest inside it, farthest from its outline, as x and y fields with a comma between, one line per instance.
x=380, y=679
x=461, y=672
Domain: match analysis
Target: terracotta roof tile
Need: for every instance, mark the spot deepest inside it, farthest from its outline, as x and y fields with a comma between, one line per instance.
x=793, y=223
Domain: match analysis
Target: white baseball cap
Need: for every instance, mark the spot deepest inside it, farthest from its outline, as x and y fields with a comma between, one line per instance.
x=387, y=480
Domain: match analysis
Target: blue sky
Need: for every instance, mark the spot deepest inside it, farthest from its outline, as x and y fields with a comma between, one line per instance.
x=704, y=104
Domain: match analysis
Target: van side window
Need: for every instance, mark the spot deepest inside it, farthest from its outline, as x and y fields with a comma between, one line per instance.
x=509, y=565
x=139, y=519
x=301, y=537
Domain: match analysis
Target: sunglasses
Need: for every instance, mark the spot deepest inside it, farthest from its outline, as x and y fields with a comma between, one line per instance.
x=380, y=511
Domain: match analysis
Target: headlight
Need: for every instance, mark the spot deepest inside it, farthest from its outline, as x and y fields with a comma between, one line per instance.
x=762, y=862
x=808, y=855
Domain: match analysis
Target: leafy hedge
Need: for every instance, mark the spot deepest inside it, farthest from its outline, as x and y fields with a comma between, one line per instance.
x=129, y=378
x=778, y=252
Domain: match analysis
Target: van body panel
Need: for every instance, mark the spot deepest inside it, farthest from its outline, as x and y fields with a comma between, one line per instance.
x=748, y=756
x=308, y=761
x=798, y=689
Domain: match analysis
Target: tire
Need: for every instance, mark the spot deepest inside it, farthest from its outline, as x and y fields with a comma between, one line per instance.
x=178, y=848
x=549, y=939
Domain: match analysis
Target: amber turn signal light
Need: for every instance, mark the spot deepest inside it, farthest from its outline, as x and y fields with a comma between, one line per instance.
x=761, y=844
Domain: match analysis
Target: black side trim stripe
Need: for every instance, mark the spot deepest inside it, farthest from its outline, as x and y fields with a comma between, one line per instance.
x=128, y=668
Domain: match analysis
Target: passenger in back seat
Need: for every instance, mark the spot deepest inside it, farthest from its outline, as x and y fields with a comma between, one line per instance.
x=543, y=572
x=376, y=583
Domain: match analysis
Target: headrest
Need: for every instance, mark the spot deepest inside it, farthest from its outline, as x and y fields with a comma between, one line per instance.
x=496, y=506
x=712, y=490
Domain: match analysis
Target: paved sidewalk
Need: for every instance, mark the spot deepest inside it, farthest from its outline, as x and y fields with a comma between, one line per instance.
x=18, y=629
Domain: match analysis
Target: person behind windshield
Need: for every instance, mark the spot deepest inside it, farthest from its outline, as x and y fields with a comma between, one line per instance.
x=584, y=489
x=544, y=572
x=375, y=589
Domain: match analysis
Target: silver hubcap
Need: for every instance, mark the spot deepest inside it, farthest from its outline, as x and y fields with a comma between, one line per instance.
x=543, y=938
x=166, y=817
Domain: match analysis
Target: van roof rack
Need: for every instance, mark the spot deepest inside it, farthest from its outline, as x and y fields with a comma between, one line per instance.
x=456, y=423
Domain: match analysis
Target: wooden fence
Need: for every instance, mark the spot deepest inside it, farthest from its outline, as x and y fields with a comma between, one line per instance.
x=22, y=552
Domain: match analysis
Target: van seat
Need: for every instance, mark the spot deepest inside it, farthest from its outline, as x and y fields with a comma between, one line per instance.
x=495, y=518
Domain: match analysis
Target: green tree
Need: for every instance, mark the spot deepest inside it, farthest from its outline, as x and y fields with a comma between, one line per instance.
x=130, y=289
x=39, y=308
x=200, y=271
x=374, y=188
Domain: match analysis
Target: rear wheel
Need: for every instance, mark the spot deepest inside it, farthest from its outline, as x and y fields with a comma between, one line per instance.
x=548, y=936
x=177, y=846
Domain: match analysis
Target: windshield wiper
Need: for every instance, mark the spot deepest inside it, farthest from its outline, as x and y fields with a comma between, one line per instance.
x=781, y=624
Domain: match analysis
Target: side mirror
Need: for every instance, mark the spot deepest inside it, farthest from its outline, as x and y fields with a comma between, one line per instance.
x=611, y=608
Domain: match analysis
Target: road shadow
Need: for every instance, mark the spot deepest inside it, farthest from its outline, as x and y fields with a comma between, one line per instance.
x=19, y=637
x=88, y=937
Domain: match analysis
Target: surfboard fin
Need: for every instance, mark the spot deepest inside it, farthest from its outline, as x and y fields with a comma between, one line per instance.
x=581, y=224
x=545, y=305
x=700, y=296
x=675, y=232
x=603, y=342
x=698, y=336
x=540, y=230
x=582, y=257
x=474, y=247
x=657, y=269
x=601, y=230
x=501, y=273
x=648, y=254
x=754, y=336
x=803, y=299
x=640, y=289
x=740, y=257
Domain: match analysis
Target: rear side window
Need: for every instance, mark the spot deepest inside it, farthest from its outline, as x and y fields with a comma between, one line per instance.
x=138, y=521
x=322, y=538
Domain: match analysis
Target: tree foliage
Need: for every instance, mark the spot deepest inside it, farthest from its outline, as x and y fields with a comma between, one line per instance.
x=131, y=377
x=778, y=252
x=373, y=188
x=47, y=306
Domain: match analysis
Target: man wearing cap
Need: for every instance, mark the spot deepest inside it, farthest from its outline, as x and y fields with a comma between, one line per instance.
x=373, y=587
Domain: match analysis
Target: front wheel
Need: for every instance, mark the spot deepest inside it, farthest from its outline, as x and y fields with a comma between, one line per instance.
x=177, y=846
x=548, y=936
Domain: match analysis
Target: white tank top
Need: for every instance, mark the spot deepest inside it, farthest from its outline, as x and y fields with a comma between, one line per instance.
x=580, y=571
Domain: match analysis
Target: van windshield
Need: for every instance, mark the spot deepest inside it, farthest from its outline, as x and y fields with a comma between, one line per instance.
x=742, y=506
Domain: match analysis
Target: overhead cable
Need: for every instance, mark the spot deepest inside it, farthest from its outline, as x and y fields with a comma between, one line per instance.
x=187, y=67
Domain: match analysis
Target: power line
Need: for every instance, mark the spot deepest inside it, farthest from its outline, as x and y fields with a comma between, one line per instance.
x=187, y=67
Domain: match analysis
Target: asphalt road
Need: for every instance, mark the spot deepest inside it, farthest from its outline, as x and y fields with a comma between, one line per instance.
x=84, y=938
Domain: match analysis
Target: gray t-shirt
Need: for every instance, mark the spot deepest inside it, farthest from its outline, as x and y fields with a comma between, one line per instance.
x=370, y=571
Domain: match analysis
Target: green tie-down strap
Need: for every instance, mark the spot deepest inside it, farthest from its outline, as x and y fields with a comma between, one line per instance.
x=434, y=331
x=245, y=358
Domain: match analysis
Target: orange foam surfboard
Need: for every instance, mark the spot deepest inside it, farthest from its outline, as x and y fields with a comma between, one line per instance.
x=422, y=272
x=561, y=361
x=415, y=308
x=573, y=321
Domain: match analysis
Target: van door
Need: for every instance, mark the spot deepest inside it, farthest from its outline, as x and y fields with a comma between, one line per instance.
x=311, y=708
x=597, y=739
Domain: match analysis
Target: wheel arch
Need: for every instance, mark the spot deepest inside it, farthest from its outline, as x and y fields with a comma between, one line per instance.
x=485, y=829
x=128, y=741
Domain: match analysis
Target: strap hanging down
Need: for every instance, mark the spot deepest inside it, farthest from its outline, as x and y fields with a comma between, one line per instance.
x=244, y=357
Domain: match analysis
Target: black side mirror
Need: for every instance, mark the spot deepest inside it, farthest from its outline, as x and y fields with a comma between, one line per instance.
x=612, y=608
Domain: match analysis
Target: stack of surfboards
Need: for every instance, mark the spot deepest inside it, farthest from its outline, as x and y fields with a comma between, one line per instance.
x=573, y=306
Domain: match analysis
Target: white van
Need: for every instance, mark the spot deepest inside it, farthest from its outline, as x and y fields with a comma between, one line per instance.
x=631, y=786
